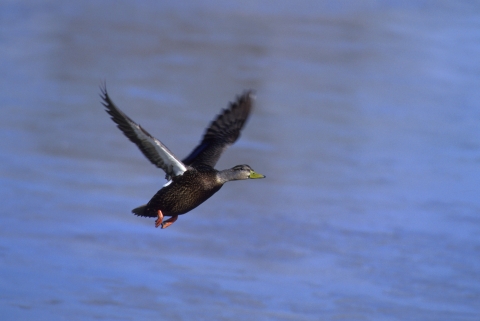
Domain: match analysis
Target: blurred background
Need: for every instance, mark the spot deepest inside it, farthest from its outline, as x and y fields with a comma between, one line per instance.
x=366, y=126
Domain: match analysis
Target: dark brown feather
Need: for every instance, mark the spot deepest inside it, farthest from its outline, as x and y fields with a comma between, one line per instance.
x=223, y=131
x=152, y=148
x=185, y=193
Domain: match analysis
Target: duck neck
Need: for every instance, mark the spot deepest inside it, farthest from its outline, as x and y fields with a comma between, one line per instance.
x=227, y=175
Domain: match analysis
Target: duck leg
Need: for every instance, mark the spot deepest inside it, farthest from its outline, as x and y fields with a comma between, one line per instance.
x=159, y=220
x=170, y=221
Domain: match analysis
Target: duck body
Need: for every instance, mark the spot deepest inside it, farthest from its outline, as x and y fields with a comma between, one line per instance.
x=194, y=179
x=183, y=194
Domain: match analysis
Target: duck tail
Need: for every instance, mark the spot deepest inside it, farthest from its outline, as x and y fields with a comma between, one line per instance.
x=139, y=211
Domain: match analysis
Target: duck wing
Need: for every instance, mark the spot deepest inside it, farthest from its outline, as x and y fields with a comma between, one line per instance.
x=223, y=131
x=152, y=148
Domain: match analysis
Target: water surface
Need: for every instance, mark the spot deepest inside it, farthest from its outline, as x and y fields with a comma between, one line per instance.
x=366, y=126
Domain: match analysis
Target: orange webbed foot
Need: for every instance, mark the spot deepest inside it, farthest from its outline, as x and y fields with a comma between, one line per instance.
x=159, y=220
x=170, y=221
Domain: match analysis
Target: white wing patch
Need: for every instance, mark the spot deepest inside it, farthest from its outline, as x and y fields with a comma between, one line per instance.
x=151, y=147
x=161, y=153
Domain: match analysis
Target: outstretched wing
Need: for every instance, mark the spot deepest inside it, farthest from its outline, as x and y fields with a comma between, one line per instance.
x=222, y=132
x=151, y=147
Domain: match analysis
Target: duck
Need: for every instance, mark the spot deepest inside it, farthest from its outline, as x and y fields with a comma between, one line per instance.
x=194, y=179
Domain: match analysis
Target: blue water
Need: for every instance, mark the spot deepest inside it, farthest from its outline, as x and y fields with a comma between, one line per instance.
x=366, y=126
